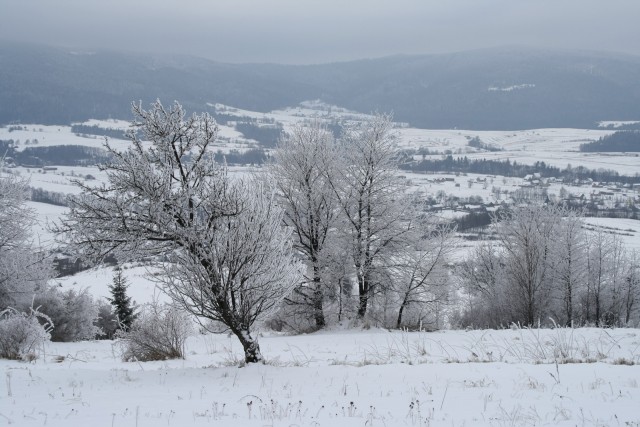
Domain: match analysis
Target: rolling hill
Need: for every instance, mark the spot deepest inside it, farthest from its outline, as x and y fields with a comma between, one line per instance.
x=501, y=89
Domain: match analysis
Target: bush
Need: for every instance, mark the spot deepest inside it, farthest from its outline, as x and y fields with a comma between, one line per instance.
x=21, y=334
x=107, y=321
x=73, y=314
x=159, y=333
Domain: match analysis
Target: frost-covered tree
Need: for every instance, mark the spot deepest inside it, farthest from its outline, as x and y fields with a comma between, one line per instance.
x=526, y=235
x=420, y=275
x=121, y=302
x=302, y=161
x=482, y=280
x=597, y=270
x=107, y=322
x=230, y=259
x=24, y=268
x=249, y=268
x=515, y=278
x=569, y=266
x=72, y=314
x=370, y=198
x=631, y=289
x=611, y=280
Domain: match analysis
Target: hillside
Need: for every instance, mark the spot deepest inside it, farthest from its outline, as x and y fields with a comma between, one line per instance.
x=498, y=89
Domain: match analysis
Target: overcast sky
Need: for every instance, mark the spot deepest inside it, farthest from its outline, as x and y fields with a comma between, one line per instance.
x=313, y=31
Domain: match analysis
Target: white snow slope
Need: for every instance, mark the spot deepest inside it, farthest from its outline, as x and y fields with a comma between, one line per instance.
x=338, y=378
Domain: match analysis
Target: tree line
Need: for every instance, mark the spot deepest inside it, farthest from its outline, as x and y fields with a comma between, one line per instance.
x=80, y=129
x=547, y=266
x=63, y=155
x=510, y=168
x=621, y=141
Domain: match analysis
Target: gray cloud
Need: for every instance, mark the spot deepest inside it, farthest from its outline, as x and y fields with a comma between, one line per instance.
x=304, y=31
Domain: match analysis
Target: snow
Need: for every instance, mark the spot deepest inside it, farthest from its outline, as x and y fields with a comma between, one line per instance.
x=511, y=88
x=290, y=116
x=107, y=124
x=627, y=229
x=97, y=280
x=48, y=136
x=61, y=179
x=45, y=215
x=617, y=124
x=338, y=378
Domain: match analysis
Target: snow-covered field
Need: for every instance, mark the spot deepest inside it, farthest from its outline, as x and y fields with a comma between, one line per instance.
x=628, y=230
x=97, y=281
x=339, y=378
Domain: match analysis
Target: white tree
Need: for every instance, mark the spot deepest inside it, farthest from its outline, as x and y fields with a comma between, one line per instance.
x=569, y=264
x=24, y=268
x=420, y=276
x=245, y=270
x=631, y=288
x=482, y=277
x=526, y=235
x=618, y=260
x=600, y=245
x=370, y=198
x=302, y=162
x=169, y=197
x=611, y=280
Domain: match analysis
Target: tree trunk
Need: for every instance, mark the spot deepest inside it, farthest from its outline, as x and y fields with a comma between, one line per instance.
x=318, y=297
x=363, y=295
x=250, y=345
x=399, y=322
x=569, y=306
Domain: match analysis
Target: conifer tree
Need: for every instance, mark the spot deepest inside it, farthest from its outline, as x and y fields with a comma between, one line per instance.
x=120, y=301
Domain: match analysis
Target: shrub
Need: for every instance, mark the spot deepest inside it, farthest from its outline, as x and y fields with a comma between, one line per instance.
x=73, y=314
x=159, y=333
x=21, y=334
x=107, y=321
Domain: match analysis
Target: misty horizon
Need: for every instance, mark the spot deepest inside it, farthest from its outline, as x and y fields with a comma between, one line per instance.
x=288, y=32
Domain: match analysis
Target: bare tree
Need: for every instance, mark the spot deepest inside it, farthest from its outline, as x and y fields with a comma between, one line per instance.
x=369, y=196
x=482, y=277
x=168, y=196
x=421, y=276
x=249, y=269
x=597, y=270
x=631, y=289
x=569, y=264
x=618, y=261
x=526, y=236
x=300, y=172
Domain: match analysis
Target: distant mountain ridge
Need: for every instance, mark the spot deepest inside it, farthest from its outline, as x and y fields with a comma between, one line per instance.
x=501, y=89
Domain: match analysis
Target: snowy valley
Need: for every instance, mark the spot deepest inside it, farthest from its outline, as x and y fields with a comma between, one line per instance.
x=429, y=371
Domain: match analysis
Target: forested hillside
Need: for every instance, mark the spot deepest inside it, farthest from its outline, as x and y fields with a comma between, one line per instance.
x=507, y=88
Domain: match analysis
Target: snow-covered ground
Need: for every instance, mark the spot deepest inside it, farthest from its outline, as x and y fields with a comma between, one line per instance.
x=616, y=124
x=628, y=230
x=547, y=140
x=48, y=136
x=97, y=280
x=339, y=378
x=45, y=215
